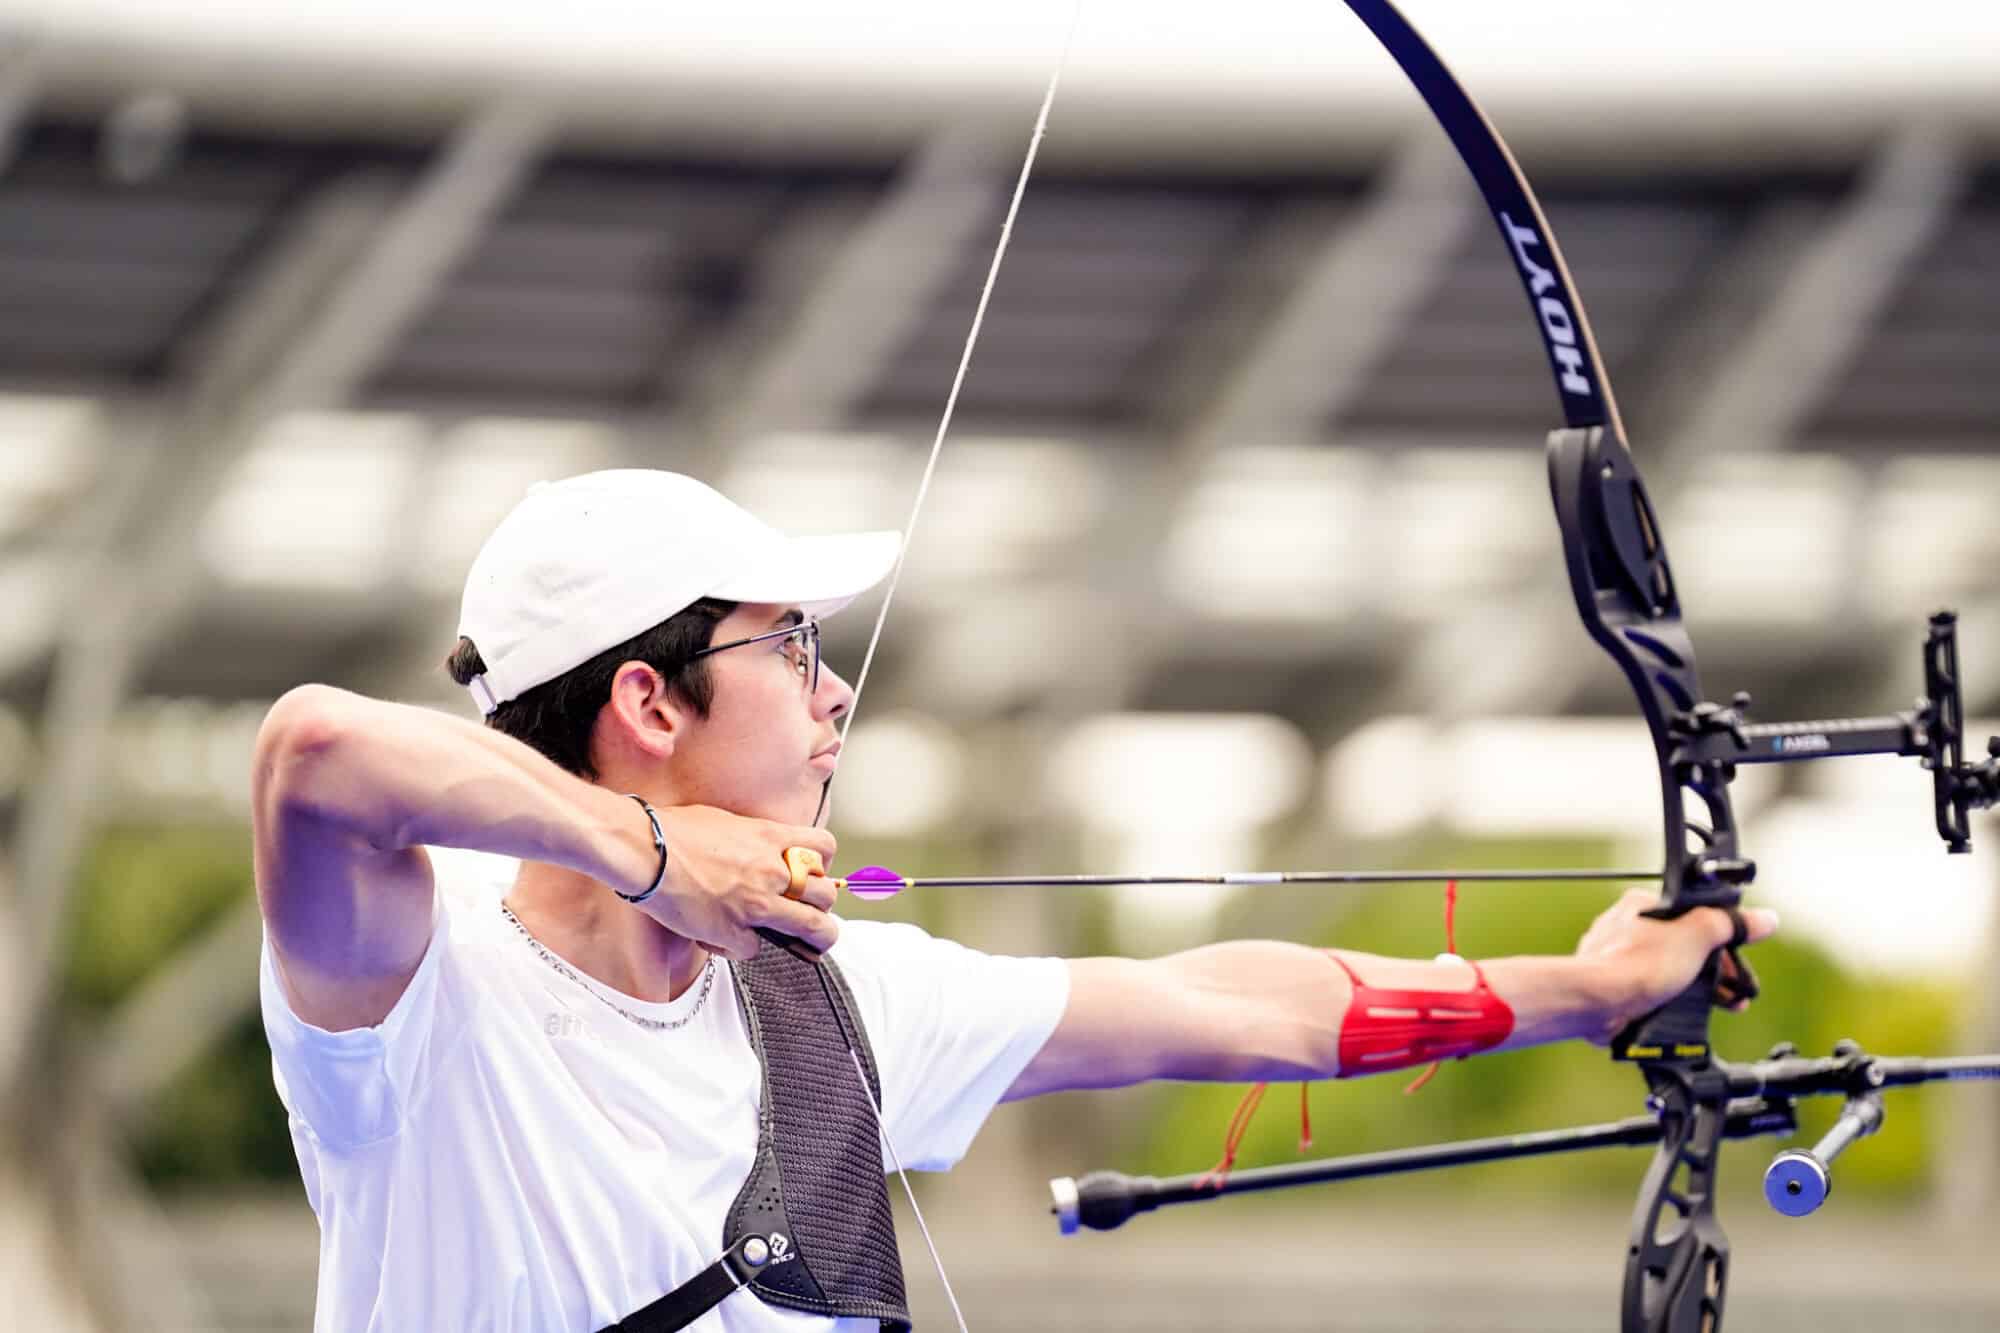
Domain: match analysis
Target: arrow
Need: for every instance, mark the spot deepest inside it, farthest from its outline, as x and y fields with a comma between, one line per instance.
x=874, y=883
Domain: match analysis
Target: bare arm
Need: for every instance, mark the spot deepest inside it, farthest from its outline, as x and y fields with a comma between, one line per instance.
x=1257, y=1009
x=348, y=790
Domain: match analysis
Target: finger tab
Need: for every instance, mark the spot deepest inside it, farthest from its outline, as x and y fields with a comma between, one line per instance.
x=802, y=863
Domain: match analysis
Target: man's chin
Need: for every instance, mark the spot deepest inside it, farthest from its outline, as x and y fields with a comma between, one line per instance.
x=802, y=808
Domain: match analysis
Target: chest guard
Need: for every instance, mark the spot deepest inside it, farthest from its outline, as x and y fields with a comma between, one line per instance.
x=811, y=1228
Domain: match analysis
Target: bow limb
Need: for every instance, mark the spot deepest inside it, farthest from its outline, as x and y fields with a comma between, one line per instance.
x=1677, y=1270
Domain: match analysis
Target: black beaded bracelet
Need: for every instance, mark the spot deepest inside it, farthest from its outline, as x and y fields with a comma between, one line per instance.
x=659, y=841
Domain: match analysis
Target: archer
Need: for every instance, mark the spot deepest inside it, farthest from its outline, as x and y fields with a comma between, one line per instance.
x=585, y=1098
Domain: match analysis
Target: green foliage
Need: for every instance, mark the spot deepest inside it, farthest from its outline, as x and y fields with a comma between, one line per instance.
x=143, y=894
x=220, y=1123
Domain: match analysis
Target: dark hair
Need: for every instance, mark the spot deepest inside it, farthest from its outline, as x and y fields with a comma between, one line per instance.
x=556, y=717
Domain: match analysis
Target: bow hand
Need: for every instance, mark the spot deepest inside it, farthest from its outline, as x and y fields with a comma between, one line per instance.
x=1671, y=968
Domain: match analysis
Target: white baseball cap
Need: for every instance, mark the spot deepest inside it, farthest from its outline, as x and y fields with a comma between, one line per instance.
x=583, y=564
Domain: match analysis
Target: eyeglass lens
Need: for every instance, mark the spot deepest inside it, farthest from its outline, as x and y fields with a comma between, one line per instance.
x=802, y=646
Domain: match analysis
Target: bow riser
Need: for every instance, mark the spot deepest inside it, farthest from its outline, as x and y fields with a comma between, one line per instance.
x=1626, y=596
x=1677, y=1266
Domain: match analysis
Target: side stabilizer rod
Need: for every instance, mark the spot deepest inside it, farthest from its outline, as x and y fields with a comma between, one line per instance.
x=1104, y=1200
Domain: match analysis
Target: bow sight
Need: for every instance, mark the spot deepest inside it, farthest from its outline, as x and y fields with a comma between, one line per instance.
x=1676, y=1273
x=1626, y=594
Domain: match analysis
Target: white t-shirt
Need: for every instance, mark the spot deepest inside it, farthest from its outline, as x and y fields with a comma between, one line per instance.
x=507, y=1153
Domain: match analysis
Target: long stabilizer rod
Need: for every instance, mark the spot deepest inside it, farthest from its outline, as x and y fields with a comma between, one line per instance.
x=1103, y=1200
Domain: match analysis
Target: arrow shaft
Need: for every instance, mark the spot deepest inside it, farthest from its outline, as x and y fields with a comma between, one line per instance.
x=1268, y=877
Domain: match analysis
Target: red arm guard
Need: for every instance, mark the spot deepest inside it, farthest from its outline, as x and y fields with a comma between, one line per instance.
x=1395, y=1029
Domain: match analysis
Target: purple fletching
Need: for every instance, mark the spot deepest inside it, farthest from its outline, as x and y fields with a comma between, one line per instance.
x=874, y=883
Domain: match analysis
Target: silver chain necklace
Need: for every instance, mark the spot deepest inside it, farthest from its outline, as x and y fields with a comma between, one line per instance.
x=654, y=1024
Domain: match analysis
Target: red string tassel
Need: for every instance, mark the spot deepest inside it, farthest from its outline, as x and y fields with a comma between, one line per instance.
x=1450, y=946
x=1246, y=1110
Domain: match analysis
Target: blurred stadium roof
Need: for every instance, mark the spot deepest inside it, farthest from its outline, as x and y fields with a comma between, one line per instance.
x=290, y=326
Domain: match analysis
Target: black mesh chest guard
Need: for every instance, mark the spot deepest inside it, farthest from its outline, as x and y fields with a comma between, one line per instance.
x=817, y=1180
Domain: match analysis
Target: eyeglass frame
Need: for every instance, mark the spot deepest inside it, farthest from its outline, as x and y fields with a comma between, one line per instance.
x=809, y=628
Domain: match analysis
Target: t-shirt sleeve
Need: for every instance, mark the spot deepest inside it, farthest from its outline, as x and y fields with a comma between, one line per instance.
x=350, y=1089
x=950, y=1028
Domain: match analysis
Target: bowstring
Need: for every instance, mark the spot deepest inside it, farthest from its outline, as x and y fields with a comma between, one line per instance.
x=964, y=364
x=896, y=576
x=895, y=1158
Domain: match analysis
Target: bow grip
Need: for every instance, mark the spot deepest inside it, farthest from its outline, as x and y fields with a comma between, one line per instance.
x=1678, y=1029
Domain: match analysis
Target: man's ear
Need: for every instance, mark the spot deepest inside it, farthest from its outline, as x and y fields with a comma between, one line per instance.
x=642, y=715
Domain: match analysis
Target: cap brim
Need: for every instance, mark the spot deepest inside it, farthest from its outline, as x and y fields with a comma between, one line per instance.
x=820, y=575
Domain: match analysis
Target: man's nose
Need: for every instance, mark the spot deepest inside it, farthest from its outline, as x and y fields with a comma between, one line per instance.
x=834, y=696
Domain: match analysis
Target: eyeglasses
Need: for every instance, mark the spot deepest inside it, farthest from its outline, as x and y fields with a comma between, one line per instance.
x=800, y=647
